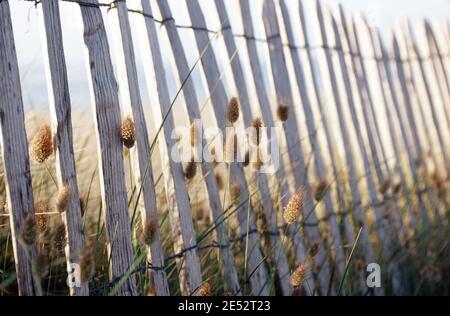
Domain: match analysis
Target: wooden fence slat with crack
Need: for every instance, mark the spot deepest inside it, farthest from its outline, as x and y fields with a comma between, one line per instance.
x=60, y=109
x=104, y=91
x=141, y=153
x=249, y=113
x=268, y=118
x=15, y=156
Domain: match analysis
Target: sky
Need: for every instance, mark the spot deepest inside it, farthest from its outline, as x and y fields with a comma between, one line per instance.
x=26, y=25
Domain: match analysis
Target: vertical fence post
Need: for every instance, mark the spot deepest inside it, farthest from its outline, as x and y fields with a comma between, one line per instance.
x=105, y=98
x=141, y=156
x=15, y=155
x=60, y=109
x=248, y=113
x=258, y=275
x=266, y=112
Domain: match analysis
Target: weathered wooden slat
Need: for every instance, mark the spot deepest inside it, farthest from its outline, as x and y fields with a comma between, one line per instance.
x=250, y=112
x=15, y=154
x=406, y=115
x=257, y=272
x=104, y=91
x=433, y=50
x=141, y=156
x=60, y=109
x=268, y=118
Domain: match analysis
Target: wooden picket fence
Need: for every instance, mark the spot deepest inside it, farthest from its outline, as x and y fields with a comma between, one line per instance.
x=376, y=123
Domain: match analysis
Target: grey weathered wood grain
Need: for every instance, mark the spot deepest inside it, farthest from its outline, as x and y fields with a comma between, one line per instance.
x=249, y=112
x=258, y=275
x=104, y=91
x=268, y=118
x=15, y=153
x=60, y=109
x=141, y=156
x=433, y=50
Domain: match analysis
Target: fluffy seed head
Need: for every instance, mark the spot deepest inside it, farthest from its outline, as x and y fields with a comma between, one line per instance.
x=384, y=186
x=29, y=229
x=257, y=125
x=257, y=164
x=59, y=240
x=62, y=201
x=235, y=192
x=192, y=134
x=42, y=144
x=149, y=231
x=294, y=207
x=320, y=189
x=205, y=289
x=299, y=274
x=314, y=249
x=219, y=181
x=233, y=110
x=127, y=132
x=87, y=264
x=246, y=161
x=190, y=170
x=41, y=210
x=283, y=112
x=232, y=148
x=40, y=264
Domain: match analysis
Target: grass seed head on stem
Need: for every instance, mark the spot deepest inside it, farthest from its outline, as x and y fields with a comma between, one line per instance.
x=59, y=239
x=40, y=264
x=149, y=231
x=87, y=264
x=42, y=144
x=62, y=201
x=257, y=124
x=28, y=231
x=235, y=192
x=299, y=274
x=233, y=110
x=127, y=132
x=294, y=207
x=190, y=170
x=283, y=112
